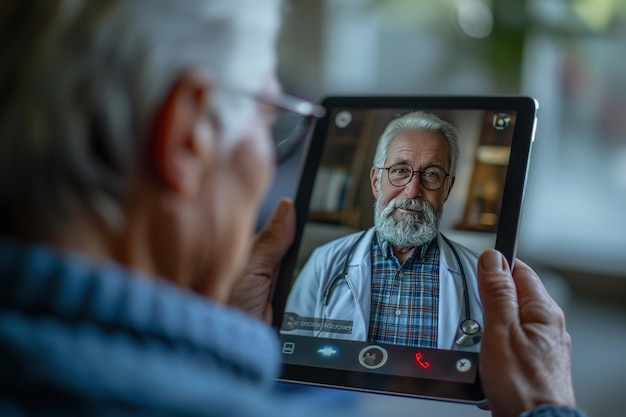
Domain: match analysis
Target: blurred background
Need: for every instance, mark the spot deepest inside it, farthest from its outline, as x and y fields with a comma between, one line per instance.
x=568, y=54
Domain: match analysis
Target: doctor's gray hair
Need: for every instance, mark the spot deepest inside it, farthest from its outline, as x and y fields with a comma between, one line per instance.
x=418, y=120
x=81, y=81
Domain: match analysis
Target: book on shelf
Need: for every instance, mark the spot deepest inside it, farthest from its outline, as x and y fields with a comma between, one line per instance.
x=330, y=189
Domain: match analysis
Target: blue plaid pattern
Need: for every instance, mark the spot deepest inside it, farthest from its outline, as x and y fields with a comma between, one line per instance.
x=405, y=298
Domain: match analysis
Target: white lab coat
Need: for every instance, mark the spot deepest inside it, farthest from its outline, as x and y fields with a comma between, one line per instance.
x=350, y=298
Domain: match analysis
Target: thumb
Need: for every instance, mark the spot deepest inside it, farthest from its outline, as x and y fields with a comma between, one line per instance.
x=498, y=296
x=497, y=290
x=252, y=291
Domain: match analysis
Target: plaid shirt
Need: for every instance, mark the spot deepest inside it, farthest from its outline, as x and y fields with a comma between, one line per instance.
x=405, y=298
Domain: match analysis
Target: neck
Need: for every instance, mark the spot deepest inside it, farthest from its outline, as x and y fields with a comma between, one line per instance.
x=403, y=253
x=83, y=234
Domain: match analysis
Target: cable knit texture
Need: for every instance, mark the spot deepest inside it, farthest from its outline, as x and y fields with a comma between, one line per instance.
x=72, y=329
x=554, y=411
x=80, y=337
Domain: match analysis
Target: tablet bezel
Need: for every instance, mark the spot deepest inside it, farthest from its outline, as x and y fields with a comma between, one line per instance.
x=506, y=235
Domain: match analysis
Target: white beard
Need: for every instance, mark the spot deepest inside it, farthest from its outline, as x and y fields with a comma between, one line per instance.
x=406, y=230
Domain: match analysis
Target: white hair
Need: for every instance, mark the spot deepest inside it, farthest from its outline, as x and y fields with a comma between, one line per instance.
x=81, y=80
x=418, y=120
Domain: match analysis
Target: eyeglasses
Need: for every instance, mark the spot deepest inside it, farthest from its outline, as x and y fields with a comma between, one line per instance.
x=431, y=177
x=294, y=118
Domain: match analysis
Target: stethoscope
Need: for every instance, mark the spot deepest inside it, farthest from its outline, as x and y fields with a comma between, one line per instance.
x=469, y=332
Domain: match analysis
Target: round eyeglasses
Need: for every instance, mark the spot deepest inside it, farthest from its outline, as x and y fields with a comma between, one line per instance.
x=431, y=177
x=293, y=120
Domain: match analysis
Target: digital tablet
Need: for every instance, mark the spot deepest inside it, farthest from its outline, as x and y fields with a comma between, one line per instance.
x=378, y=292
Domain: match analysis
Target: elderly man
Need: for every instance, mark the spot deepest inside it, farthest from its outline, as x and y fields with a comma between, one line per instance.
x=401, y=281
x=134, y=153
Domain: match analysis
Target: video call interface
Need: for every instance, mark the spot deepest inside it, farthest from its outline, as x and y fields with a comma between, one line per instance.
x=315, y=332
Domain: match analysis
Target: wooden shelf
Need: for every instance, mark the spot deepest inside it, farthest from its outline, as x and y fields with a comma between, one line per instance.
x=342, y=192
x=484, y=199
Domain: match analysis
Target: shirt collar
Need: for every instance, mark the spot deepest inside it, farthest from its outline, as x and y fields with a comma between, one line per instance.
x=418, y=254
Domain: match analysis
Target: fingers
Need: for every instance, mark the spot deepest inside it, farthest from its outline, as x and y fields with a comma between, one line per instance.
x=528, y=284
x=535, y=303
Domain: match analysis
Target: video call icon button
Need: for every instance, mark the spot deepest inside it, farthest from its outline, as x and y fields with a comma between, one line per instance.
x=463, y=365
x=372, y=357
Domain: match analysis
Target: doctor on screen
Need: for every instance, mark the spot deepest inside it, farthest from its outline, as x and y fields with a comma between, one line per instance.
x=400, y=282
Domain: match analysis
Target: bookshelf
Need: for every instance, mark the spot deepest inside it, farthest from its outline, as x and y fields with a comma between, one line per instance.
x=491, y=158
x=342, y=193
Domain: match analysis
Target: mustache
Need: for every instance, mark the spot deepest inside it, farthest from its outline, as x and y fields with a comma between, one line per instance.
x=412, y=204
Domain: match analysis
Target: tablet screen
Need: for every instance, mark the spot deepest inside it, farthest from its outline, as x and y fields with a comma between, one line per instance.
x=397, y=198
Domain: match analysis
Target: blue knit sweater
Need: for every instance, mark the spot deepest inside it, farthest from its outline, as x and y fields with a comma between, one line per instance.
x=84, y=337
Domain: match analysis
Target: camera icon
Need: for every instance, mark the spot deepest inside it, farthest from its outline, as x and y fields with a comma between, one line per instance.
x=501, y=121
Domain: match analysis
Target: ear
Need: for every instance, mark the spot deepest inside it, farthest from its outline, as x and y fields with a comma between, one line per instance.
x=374, y=181
x=183, y=139
x=449, y=189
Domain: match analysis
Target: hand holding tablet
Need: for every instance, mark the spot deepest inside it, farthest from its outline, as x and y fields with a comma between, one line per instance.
x=526, y=355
